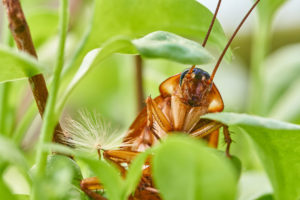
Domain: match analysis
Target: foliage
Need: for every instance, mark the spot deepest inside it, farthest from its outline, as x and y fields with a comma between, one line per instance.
x=276, y=142
x=16, y=65
x=197, y=170
x=182, y=167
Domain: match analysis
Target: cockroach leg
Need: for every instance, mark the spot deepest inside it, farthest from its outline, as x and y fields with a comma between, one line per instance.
x=117, y=164
x=155, y=113
x=88, y=185
x=212, y=129
x=228, y=140
x=206, y=129
x=148, y=129
x=213, y=140
x=120, y=156
x=91, y=184
x=179, y=111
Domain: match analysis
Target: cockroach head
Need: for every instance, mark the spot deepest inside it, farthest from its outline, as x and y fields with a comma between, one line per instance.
x=194, y=84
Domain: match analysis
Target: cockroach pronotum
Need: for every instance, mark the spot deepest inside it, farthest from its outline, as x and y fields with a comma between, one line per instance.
x=183, y=99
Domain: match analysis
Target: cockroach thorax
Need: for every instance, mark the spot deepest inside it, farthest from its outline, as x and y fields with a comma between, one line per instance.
x=194, y=89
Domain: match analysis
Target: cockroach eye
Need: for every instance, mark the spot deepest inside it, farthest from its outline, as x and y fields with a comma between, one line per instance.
x=182, y=76
x=201, y=74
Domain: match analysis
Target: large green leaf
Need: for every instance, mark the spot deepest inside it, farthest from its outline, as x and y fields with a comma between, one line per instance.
x=16, y=65
x=136, y=18
x=43, y=24
x=184, y=168
x=278, y=147
x=162, y=44
x=253, y=184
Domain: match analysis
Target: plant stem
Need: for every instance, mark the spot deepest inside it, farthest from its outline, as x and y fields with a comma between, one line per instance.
x=4, y=92
x=50, y=119
x=5, y=88
x=139, y=83
x=23, y=40
x=69, y=66
x=259, y=51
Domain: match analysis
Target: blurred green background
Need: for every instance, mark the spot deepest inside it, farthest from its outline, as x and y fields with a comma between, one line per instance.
x=110, y=89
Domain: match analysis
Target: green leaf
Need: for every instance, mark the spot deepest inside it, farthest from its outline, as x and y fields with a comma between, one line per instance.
x=108, y=175
x=287, y=108
x=281, y=83
x=62, y=177
x=266, y=197
x=268, y=8
x=10, y=153
x=22, y=197
x=184, y=168
x=43, y=24
x=92, y=59
x=60, y=149
x=57, y=185
x=5, y=191
x=56, y=162
x=282, y=70
x=253, y=184
x=17, y=65
x=162, y=44
x=134, y=173
x=136, y=18
x=278, y=147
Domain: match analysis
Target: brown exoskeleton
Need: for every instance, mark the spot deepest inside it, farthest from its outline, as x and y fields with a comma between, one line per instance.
x=183, y=99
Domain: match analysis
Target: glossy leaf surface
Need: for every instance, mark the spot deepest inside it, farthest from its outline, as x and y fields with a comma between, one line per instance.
x=278, y=147
x=184, y=168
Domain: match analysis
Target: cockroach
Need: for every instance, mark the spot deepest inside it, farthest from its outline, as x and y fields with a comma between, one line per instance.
x=183, y=99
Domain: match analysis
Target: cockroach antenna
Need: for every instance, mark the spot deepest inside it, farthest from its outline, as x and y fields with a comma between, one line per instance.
x=230, y=41
x=212, y=23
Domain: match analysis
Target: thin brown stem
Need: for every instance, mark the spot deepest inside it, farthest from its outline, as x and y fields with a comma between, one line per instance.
x=22, y=37
x=139, y=83
x=212, y=23
x=230, y=41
